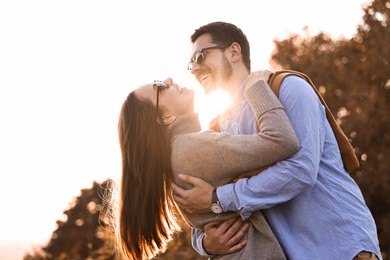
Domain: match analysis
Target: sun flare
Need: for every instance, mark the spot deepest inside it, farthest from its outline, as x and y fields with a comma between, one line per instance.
x=210, y=105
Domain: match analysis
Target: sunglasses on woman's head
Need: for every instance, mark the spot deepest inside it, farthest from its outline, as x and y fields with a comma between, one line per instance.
x=159, y=85
x=198, y=57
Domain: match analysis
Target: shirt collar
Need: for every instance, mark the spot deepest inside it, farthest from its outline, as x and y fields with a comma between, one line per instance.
x=238, y=96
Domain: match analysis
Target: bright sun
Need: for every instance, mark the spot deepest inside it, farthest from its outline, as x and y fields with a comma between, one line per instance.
x=210, y=105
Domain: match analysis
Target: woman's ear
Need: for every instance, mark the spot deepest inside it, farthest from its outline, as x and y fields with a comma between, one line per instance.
x=168, y=119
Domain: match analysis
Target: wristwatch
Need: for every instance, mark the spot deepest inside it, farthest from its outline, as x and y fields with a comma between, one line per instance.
x=215, y=205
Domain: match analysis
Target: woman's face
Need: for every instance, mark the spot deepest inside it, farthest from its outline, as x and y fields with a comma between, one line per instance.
x=176, y=100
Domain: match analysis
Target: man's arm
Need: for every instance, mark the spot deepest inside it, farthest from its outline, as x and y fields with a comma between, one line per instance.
x=282, y=181
x=287, y=178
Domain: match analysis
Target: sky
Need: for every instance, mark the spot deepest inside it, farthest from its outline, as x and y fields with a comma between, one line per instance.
x=67, y=66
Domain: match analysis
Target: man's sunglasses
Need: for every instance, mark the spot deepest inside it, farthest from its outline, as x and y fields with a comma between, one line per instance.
x=198, y=57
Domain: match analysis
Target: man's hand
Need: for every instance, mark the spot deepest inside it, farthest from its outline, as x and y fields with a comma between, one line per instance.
x=195, y=200
x=222, y=238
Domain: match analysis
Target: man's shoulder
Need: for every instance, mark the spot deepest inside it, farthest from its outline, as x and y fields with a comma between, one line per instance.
x=295, y=86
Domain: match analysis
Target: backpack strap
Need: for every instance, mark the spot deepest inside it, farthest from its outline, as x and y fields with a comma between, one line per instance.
x=350, y=160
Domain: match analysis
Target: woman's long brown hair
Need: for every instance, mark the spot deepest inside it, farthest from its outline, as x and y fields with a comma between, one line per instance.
x=147, y=211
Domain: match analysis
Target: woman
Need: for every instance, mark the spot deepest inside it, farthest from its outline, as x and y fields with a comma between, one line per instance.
x=160, y=137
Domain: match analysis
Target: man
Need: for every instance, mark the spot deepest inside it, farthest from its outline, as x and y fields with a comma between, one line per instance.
x=314, y=207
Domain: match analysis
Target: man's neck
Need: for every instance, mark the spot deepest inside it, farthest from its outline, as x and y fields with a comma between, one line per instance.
x=235, y=81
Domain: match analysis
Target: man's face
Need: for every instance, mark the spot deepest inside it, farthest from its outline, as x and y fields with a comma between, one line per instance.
x=214, y=68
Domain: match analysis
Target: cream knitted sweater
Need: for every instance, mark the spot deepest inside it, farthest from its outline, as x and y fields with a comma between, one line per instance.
x=219, y=158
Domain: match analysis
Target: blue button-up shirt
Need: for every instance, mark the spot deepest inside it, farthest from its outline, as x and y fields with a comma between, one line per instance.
x=314, y=207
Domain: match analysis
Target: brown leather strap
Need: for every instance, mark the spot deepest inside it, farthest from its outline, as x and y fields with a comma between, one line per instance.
x=366, y=256
x=350, y=160
x=214, y=197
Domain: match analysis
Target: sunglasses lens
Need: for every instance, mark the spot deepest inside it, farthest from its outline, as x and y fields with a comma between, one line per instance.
x=160, y=84
x=199, y=58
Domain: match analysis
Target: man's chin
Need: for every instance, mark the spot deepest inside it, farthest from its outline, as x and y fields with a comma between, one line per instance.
x=208, y=89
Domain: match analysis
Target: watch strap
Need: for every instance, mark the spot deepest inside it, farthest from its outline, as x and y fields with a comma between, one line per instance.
x=214, y=197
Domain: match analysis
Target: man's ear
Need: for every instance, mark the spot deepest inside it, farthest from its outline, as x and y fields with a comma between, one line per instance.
x=168, y=119
x=235, y=50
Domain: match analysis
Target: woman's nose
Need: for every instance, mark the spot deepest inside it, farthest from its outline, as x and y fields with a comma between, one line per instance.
x=169, y=81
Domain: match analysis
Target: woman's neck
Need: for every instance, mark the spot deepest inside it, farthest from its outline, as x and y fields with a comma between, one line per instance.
x=184, y=125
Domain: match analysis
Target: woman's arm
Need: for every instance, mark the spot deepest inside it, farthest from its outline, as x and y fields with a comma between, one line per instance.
x=219, y=158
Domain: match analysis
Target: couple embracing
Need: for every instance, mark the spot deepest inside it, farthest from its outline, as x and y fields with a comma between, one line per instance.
x=267, y=181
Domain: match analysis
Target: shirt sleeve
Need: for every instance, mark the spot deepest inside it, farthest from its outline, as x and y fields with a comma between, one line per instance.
x=197, y=242
x=288, y=178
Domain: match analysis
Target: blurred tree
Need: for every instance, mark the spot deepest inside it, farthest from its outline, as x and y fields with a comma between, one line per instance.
x=81, y=236
x=181, y=248
x=84, y=234
x=353, y=75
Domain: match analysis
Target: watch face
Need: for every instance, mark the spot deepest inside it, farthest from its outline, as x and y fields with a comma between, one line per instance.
x=216, y=208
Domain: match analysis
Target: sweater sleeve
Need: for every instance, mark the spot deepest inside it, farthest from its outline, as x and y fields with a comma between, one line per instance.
x=275, y=139
x=219, y=158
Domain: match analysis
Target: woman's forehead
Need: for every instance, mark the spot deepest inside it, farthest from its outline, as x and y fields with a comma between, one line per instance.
x=146, y=90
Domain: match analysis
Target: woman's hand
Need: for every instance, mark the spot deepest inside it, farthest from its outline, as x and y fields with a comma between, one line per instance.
x=195, y=200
